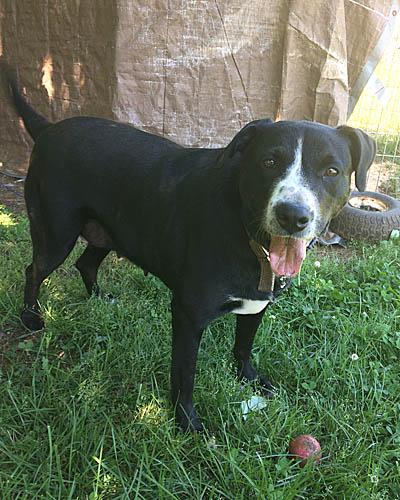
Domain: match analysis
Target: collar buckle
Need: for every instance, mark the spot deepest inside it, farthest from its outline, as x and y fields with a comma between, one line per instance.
x=267, y=277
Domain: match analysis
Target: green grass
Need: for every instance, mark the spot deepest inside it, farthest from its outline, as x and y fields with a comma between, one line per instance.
x=387, y=146
x=85, y=411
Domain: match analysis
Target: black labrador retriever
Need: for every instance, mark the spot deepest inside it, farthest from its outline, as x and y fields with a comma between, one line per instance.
x=225, y=229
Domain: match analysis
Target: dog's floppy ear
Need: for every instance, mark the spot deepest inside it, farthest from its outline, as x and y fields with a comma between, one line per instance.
x=363, y=150
x=244, y=136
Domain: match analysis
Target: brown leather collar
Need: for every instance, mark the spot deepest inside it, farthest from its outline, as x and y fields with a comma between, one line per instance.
x=267, y=277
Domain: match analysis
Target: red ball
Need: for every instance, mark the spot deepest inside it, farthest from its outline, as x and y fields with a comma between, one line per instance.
x=305, y=447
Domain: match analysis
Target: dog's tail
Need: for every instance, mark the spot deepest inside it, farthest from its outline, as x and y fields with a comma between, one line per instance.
x=33, y=121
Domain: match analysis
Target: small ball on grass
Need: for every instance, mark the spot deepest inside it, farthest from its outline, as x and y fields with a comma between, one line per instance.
x=305, y=447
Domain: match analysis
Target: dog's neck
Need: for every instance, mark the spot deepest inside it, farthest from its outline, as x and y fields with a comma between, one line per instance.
x=267, y=277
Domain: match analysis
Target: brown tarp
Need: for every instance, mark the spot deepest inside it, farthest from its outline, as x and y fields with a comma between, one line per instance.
x=193, y=70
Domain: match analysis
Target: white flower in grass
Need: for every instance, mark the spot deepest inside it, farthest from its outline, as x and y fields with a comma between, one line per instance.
x=374, y=478
x=212, y=442
x=354, y=357
x=364, y=314
x=317, y=263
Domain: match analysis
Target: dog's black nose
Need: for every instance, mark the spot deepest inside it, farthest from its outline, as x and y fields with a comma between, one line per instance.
x=292, y=217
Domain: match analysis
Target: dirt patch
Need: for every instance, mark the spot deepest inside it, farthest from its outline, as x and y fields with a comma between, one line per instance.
x=12, y=191
x=384, y=177
x=15, y=338
x=337, y=253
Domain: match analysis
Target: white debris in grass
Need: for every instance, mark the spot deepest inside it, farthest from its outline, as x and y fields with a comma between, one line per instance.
x=394, y=235
x=255, y=403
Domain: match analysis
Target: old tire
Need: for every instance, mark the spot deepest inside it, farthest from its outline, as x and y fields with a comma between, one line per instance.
x=367, y=216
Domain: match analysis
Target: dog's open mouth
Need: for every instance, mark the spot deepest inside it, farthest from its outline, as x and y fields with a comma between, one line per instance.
x=286, y=255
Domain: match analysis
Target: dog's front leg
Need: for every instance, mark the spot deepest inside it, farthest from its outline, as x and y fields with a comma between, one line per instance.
x=246, y=328
x=186, y=336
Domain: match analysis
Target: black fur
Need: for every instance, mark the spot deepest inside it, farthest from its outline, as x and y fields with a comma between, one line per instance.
x=183, y=214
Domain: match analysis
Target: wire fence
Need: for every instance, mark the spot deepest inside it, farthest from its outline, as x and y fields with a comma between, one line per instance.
x=378, y=113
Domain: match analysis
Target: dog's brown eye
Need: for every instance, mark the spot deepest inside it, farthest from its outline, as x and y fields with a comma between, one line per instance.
x=332, y=172
x=269, y=163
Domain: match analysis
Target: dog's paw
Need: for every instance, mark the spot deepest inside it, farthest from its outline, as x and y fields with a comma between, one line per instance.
x=248, y=374
x=265, y=386
x=32, y=320
x=187, y=420
x=109, y=298
x=261, y=384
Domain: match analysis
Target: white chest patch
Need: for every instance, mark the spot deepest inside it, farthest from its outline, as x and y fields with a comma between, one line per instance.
x=250, y=306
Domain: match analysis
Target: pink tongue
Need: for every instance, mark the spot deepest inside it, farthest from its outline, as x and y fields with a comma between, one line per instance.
x=286, y=255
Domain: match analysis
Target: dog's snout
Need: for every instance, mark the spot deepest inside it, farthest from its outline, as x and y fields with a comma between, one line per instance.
x=292, y=217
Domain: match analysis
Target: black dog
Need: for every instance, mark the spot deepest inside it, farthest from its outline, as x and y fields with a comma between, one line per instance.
x=199, y=219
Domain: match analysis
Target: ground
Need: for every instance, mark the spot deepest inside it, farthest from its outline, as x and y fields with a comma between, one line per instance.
x=85, y=409
x=12, y=192
x=92, y=388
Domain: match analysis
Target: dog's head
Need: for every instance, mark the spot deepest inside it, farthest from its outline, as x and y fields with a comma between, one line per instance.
x=293, y=178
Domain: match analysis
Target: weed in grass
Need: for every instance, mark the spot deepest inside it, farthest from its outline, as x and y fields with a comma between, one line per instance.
x=85, y=407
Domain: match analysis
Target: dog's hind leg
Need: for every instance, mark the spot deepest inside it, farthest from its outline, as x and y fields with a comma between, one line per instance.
x=42, y=266
x=51, y=246
x=246, y=329
x=88, y=265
